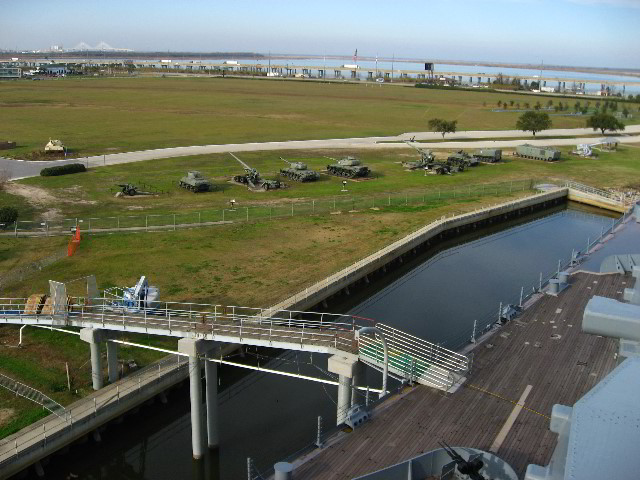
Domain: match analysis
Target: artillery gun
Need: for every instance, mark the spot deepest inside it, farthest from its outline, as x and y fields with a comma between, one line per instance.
x=130, y=189
x=426, y=157
x=299, y=172
x=252, y=178
x=349, y=167
x=439, y=168
x=195, y=182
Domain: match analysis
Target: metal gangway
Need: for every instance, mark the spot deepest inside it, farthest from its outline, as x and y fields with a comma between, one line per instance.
x=597, y=192
x=409, y=357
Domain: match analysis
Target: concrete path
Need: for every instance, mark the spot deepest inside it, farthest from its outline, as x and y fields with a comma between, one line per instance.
x=19, y=169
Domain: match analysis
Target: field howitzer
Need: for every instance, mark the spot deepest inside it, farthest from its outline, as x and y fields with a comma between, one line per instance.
x=470, y=468
x=252, y=177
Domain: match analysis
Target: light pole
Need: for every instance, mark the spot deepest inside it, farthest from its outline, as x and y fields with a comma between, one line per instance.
x=385, y=370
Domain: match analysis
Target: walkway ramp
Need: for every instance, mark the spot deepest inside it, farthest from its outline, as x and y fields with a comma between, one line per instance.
x=412, y=358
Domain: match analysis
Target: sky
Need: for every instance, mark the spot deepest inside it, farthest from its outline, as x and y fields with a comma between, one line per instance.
x=601, y=33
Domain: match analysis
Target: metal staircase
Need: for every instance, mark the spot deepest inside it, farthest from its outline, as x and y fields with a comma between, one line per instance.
x=32, y=394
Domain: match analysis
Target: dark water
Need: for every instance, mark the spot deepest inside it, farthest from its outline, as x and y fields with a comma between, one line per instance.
x=268, y=417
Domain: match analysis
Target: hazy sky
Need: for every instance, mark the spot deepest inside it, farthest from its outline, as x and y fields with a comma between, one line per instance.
x=573, y=32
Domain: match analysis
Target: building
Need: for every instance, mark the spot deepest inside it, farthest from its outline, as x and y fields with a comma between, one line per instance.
x=10, y=70
x=55, y=69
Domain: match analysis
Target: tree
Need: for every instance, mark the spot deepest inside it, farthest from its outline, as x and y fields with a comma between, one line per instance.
x=533, y=122
x=526, y=105
x=8, y=215
x=537, y=106
x=443, y=126
x=511, y=102
x=549, y=103
x=625, y=112
x=603, y=121
x=499, y=103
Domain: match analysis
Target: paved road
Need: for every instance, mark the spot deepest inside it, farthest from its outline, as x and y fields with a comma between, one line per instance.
x=19, y=169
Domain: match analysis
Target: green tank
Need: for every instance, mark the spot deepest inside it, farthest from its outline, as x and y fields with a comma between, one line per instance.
x=299, y=172
x=490, y=155
x=547, y=154
x=195, y=182
x=349, y=167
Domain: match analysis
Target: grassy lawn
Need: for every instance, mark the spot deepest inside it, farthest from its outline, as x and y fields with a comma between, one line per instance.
x=91, y=194
x=106, y=115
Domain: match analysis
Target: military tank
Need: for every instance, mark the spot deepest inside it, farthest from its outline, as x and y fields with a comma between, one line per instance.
x=462, y=159
x=547, y=154
x=195, y=182
x=299, y=172
x=349, y=167
x=426, y=157
x=54, y=146
x=252, y=179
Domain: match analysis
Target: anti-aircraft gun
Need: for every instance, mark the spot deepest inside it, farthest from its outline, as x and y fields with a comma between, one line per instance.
x=471, y=468
x=299, y=172
x=349, y=167
x=252, y=178
x=426, y=157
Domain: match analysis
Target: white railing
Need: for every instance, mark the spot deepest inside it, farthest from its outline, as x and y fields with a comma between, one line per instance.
x=32, y=394
x=413, y=358
x=39, y=435
x=616, y=197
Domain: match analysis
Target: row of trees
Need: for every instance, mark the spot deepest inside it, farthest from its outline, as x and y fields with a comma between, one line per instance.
x=535, y=121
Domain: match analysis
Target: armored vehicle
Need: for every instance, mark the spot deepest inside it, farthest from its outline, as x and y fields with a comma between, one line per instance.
x=538, y=153
x=490, y=155
x=439, y=168
x=195, y=182
x=54, y=146
x=462, y=159
x=252, y=178
x=348, y=167
x=298, y=171
x=426, y=157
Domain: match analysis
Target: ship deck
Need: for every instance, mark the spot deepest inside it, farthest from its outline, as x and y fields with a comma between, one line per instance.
x=559, y=370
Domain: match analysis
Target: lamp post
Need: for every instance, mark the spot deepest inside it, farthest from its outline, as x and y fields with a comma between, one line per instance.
x=385, y=370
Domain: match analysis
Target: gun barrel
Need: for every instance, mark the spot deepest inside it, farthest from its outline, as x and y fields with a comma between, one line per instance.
x=241, y=162
x=284, y=160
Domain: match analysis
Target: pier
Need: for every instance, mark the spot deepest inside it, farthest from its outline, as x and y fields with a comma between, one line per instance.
x=542, y=353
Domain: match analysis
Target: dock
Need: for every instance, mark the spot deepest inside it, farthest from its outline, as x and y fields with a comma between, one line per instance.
x=523, y=360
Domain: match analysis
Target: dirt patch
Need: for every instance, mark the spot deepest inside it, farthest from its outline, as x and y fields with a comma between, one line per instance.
x=39, y=198
x=6, y=414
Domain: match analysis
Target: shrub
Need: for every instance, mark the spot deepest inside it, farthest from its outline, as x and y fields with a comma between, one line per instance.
x=8, y=215
x=63, y=169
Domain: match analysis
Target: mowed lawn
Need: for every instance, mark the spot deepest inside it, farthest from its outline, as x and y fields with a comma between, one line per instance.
x=106, y=115
x=91, y=194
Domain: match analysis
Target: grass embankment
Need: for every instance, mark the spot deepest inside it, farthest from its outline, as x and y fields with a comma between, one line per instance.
x=91, y=194
x=107, y=115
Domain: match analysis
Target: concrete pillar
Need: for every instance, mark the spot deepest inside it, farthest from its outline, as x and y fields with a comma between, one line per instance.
x=193, y=348
x=112, y=361
x=211, y=376
x=195, y=395
x=344, y=394
x=344, y=367
x=283, y=471
x=93, y=337
x=357, y=380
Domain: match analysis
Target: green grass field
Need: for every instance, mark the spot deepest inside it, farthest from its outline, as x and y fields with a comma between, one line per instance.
x=106, y=115
x=91, y=194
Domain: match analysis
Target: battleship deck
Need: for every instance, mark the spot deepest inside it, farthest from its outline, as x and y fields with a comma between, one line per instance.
x=520, y=354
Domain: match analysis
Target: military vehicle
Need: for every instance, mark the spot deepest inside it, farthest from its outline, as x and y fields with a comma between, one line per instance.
x=426, y=157
x=348, y=167
x=462, y=159
x=299, y=172
x=195, y=182
x=547, y=154
x=252, y=178
x=54, y=146
x=129, y=189
x=490, y=155
x=438, y=168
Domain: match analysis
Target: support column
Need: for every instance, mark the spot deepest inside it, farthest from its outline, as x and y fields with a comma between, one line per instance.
x=344, y=367
x=112, y=361
x=93, y=337
x=195, y=395
x=358, y=378
x=211, y=376
x=193, y=348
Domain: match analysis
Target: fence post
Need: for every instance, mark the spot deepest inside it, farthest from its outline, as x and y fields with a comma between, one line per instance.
x=473, y=334
x=292, y=208
x=588, y=243
x=319, y=434
x=118, y=223
x=249, y=476
x=146, y=222
x=500, y=313
x=16, y=228
x=540, y=283
x=313, y=206
x=559, y=261
x=199, y=218
x=174, y=222
x=248, y=213
x=521, y=295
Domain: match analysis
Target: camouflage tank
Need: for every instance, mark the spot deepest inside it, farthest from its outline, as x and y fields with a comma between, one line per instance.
x=348, y=167
x=299, y=172
x=462, y=159
x=195, y=182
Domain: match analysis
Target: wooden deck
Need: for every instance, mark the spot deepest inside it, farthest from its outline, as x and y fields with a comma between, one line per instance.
x=520, y=354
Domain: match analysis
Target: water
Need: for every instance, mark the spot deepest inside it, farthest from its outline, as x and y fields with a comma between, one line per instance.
x=268, y=417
